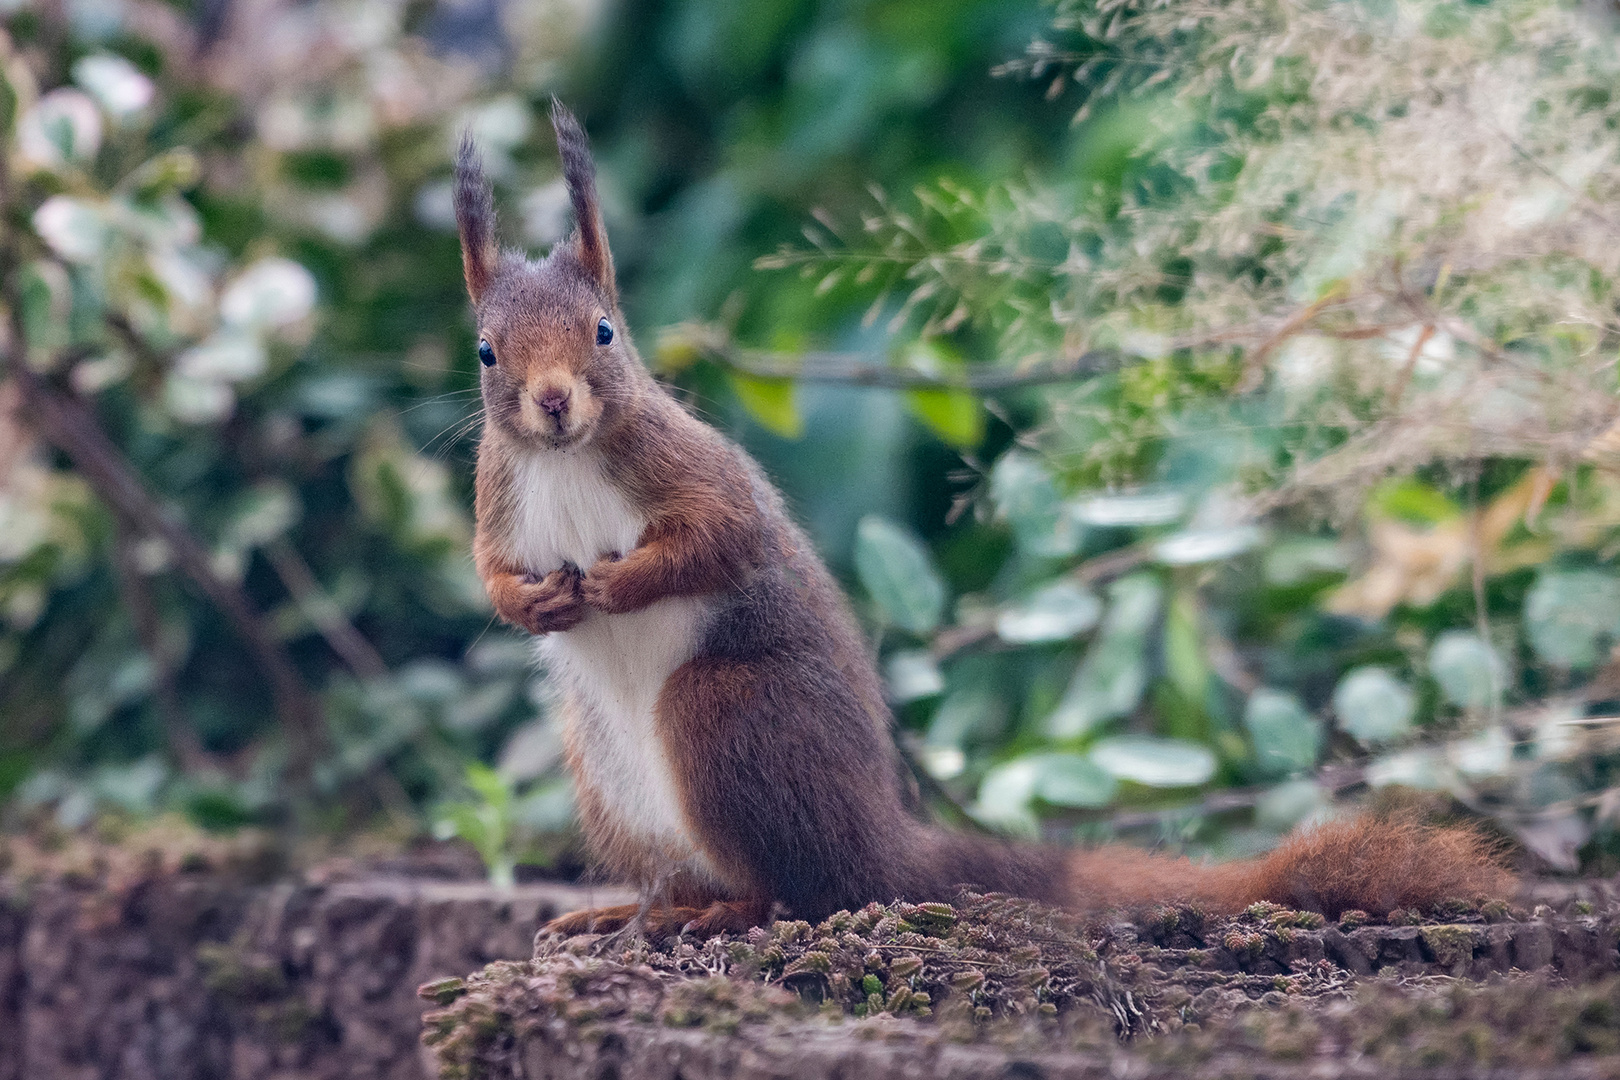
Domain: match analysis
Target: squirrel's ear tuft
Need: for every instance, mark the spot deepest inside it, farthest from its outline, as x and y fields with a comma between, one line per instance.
x=579, y=171
x=475, y=219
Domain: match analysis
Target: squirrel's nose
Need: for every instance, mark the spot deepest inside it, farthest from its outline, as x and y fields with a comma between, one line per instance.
x=554, y=402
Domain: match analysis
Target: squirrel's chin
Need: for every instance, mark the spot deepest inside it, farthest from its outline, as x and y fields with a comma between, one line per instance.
x=525, y=434
x=568, y=440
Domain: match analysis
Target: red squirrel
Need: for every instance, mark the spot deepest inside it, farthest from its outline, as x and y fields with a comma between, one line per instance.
x=725, y=725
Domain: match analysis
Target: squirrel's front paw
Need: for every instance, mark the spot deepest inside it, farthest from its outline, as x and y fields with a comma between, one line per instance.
x=555, y=602
x=599, y=586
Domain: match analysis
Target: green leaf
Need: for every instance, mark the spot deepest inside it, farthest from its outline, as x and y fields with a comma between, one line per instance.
x=135, y=786
x=1005, y=794
x=548, y=808
x=1292, y=562
x=1289, y=804
x=1153, y=762
x=1412, y=501
x=1062, y=779
x=531, y=751
x=1487, y=753
x=1131, y=510
x=1056, y=612
x=1026, y=497
x=170, y=171
x=1192, y=546
x=490, y=785
x=913, y=674
x=116, y=84
x=76, y=229
x=479, y=708
x=1183, y=647
x=972, y=711
x=1567, y=613
x=1287, y=738
x=1074, y=780
x=1373, y=705
x=1110, y=680
x=45, y=301
x=1468, y=670
x=899, y=575
x=8, y=107
x=772, y=402
x=262, y=514
x=953, y=415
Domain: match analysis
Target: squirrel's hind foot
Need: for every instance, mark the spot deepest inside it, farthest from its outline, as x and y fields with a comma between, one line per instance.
x=661, y=923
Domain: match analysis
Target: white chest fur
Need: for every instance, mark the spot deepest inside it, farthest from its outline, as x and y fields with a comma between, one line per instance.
x=568, y=511
x=611, y=666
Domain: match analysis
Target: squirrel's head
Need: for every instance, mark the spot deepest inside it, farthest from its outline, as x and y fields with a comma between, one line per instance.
x=555, y=356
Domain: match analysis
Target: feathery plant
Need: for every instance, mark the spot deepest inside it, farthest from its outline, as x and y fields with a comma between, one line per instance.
x=1344, y=513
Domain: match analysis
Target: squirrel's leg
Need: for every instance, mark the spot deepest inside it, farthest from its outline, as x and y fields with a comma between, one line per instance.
x=787, y=782
x=682, y=903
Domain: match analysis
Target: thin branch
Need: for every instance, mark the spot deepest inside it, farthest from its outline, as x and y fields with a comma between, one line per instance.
x=321, y=610
x=136, y=593
x=66, y=424
x=869, y=369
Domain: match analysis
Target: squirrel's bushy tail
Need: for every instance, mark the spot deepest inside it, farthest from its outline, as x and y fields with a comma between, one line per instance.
x=1372, y=864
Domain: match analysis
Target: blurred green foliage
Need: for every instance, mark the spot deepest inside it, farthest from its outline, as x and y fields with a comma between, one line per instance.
x=1210, y=408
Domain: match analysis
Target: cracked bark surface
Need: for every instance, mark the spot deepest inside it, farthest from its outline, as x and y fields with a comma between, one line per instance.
x=181, y=974
x=994, y=986
x=197, y=976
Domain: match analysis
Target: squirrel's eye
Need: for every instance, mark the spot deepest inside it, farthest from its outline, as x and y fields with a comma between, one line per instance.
x=486, y=354
x=604, y=332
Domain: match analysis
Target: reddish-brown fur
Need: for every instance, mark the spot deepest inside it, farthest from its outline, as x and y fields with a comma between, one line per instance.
x=775, y=730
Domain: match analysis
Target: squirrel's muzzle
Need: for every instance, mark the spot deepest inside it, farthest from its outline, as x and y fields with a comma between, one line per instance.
x=554, y=402
x=557, y=406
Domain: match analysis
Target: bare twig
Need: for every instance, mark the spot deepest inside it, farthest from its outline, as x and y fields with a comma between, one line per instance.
x=1254, y=365
x=136, y=594
x=1112, y=564
x=321, y=610
x=1404, y=379
x=867, y=369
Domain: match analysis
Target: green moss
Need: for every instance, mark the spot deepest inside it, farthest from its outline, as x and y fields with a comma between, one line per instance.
x=816, y=963
x=234, y=972
x=1451, y=945
x=1021, y=974
x=442, y=991
x=905, y=967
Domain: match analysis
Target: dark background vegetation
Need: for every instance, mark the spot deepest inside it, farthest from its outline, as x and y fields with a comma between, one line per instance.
x=1208, y=408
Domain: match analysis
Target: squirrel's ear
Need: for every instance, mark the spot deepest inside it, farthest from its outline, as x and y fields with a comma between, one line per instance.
x=579, y=171
x=475, y=219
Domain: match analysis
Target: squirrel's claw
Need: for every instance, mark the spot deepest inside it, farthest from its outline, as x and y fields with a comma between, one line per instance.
x=553, y=603
x=597, y=586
